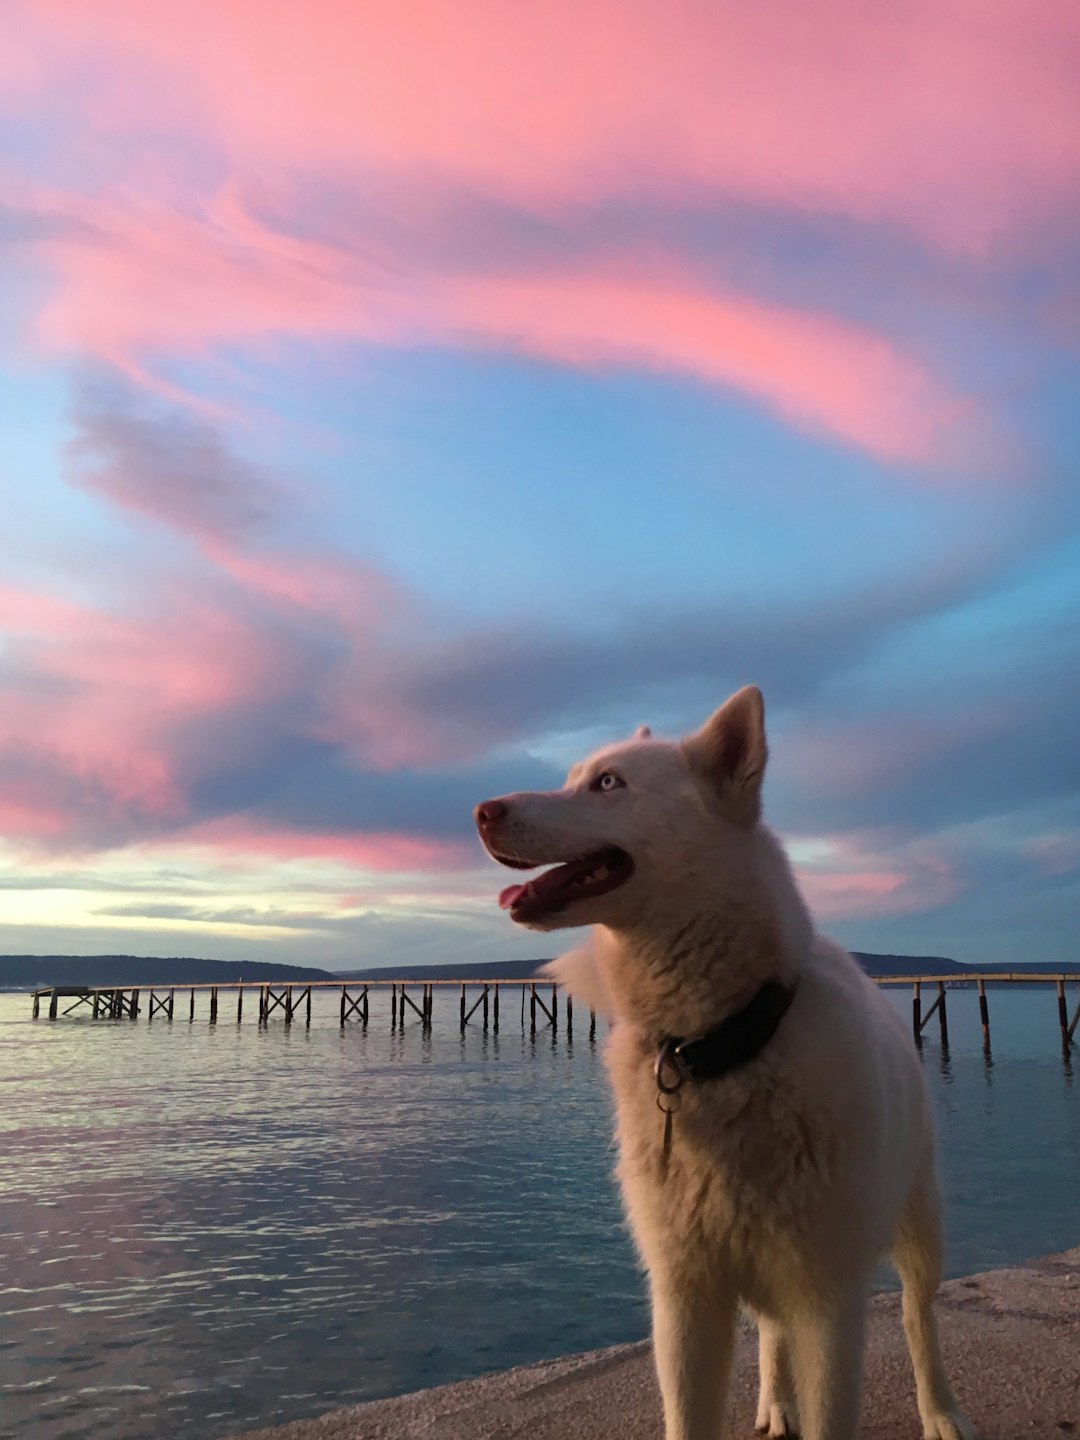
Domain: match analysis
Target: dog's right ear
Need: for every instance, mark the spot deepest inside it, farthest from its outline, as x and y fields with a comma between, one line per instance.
x=729, y=751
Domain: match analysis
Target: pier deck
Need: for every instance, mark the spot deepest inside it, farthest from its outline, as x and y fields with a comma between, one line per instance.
x=413, y=1001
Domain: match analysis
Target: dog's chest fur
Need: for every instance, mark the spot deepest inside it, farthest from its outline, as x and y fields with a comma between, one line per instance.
x=747, y=1173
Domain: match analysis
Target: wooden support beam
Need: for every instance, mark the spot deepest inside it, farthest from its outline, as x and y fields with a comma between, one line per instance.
x=934, y=1008
x=274, y=1002
x=239, y=1003
x=288, y=1004
x=133, y=1005
x=354, y=1005
x=551, y=1014
x=466, y=1015
x=37, y=1004
x=1063, y=1016
x=393, y=1007
x=485, y=1007
x=916, y=1011
x=569, y=1015
x=943, y=1019
x=307, y=1008
x=532, y=1009
x=592, y=1024
x=1076, y=1017
x=984, y=1014
x=495, y=1011
x=408, y=1000
x=213, y=1004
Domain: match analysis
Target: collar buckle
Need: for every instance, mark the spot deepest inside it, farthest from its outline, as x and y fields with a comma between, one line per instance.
x=671, y=1070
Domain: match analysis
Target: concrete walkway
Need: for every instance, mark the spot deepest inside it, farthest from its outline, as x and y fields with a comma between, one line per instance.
x=1011, y=1338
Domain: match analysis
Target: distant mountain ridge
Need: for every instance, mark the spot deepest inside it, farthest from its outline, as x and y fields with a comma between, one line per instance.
x=467, y=970
x=28, y=972
x=879, y=966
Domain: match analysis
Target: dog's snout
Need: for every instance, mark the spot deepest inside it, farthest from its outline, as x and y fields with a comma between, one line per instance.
x=488, y=812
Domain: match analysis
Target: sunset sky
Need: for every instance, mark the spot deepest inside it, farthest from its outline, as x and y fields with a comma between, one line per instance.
x=399, y=399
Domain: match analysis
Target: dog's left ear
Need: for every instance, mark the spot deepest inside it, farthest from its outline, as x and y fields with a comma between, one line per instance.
x=730, y=752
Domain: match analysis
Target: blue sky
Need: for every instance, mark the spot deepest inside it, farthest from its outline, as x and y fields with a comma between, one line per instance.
x=379, y=436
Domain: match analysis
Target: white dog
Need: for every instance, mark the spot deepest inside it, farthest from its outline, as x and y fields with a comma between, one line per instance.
x=774, y=1132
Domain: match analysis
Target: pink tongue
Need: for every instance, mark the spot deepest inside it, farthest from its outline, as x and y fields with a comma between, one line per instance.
x=509, y=895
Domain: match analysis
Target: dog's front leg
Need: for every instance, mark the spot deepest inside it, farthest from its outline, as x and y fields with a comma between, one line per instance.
x=776, y=1413
x=693, y=1341
x=827, y=1338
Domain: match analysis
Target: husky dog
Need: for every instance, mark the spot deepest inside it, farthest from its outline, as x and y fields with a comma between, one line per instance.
x=774, y=1131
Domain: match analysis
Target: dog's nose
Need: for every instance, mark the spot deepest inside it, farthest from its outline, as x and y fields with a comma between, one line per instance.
x=488, y=812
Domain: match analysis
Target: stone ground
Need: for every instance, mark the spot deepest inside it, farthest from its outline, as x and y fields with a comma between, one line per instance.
x=1011, y=1339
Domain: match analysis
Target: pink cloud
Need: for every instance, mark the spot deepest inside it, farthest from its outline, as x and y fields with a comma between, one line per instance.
x=1056, y=854
x=833, y=377
x=123, y=720
x=866, y=876
x=97, y=696
x=232, y=279
x=955, y=121
x=878, y=752
x=383, y=852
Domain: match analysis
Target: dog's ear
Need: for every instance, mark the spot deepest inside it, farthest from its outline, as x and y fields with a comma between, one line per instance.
x=642, y=733
x=730, y=752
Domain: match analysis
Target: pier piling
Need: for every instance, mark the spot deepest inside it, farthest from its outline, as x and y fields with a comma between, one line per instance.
x=984, y=1014
x=1063, y=1017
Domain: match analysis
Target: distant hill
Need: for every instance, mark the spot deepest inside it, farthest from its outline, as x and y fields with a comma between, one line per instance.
x=879, y=966
x=35, y=972
x=29, y=972
x=883, y=965
x=467, y=970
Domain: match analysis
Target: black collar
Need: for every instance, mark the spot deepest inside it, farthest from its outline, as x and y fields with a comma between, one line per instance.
x=734, y=1042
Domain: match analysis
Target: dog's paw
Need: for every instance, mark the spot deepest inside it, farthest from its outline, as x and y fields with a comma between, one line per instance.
x=777, y=1423
x=948, y=1425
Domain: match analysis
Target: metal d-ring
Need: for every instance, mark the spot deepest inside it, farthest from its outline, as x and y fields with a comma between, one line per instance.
x=670, y=1075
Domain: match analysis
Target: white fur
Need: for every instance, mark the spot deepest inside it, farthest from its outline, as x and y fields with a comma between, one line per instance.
x=789, y=1178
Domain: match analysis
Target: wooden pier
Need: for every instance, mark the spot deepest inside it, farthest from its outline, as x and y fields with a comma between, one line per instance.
x=412, y=1002
x=1067, y=1024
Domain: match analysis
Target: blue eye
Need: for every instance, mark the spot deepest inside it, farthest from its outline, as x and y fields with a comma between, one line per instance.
x=608, y=780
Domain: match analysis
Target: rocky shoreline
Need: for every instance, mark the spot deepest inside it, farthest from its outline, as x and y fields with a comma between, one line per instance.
x=1011, y=1339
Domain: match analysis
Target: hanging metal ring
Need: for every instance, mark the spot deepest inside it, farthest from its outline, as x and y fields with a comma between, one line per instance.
x=669, y=1070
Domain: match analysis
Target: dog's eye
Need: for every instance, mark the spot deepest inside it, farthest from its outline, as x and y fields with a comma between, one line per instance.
x=608, y=780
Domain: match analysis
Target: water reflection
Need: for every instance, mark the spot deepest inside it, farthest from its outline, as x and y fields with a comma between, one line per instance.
x=195, y=1222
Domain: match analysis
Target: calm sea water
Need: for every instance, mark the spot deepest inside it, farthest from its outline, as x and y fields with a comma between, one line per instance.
x=203, y=1230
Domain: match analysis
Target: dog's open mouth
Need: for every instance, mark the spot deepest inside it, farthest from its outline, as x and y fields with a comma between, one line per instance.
x=581, y=879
